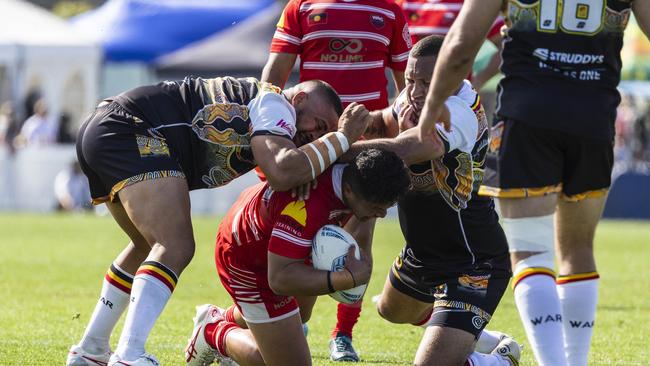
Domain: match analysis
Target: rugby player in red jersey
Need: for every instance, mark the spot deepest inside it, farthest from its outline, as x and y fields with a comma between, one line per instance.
x=262, y=257
x=348, y=44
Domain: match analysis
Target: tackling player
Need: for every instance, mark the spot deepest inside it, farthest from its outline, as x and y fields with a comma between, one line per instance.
x=348, y=44
x=557, y=104
x=145, y=149
x=454, y=268
x=262, y=251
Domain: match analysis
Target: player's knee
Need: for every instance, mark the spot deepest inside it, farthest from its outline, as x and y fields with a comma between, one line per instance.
x=305, y=314
x=532, y=235
x=392, y=312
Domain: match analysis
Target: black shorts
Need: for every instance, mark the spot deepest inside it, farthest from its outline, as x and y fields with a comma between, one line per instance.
x=463, y=301
x=534, y=161
x=116, y=149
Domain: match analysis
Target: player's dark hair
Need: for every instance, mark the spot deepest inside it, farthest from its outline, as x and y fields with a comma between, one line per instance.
x=427, y=46
x=377, y=176
x=328, y=93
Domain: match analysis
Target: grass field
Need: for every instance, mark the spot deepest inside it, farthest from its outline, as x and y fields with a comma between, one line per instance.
x=51, y=269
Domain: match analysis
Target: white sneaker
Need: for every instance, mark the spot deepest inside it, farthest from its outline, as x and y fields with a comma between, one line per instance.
x=509, y=349
x=198, y=352
x=144, y=360
x=78, y=357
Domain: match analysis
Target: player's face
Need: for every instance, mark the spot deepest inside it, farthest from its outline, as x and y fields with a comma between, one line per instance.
x=362, y=209
x=418, y=73
x=314, y=118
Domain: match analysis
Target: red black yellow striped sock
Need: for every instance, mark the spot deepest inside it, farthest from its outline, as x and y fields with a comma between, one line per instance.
x=562, y=279
x=160, y=272
x=119, y=278
x=531, y=271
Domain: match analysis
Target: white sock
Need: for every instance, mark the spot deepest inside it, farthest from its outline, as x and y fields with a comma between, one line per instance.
x=578, y=296
x=113, y=300
x=481, y=359
x=487, y=341
x=152, y=287
x=541, y=314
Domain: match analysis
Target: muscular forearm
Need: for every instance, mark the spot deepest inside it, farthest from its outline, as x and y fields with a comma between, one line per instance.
x=292, y=169
x=406, y=145
x=299, y=279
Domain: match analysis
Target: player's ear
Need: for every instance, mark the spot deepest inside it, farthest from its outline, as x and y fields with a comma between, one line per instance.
x=299, y=98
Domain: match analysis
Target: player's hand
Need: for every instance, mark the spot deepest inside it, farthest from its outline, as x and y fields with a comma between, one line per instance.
x=406, y=118
x=359, y=268
x=302, y=192
x=353, y=121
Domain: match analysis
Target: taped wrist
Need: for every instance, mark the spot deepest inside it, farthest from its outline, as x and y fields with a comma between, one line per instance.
x=324, y=151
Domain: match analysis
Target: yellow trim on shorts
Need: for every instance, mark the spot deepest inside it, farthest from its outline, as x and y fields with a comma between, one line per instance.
x=136, y=179
x=584, y=195
x=519, y=192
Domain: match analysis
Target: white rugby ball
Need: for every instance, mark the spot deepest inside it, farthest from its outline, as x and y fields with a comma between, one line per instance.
x=329, y=249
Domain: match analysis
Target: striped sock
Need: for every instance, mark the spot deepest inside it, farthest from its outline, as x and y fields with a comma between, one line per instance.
x=113, y=300
x=541, y=314
x=578, y=295
x=229, y=314
x=152, y=287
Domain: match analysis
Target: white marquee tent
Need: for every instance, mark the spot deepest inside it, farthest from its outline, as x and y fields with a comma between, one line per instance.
x=39, y=51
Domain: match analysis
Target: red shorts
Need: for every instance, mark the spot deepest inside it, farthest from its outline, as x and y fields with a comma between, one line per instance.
x=244, y=274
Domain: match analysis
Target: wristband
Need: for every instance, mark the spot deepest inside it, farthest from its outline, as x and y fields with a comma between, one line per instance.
x=330, y=288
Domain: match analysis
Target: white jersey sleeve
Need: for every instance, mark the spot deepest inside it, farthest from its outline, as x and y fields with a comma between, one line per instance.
x=272, y=114
x=464, y=126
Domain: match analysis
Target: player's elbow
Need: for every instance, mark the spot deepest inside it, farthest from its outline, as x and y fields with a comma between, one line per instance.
x=278, y=284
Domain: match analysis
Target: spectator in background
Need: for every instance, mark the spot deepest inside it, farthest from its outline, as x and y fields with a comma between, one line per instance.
x=63, y=135
x=39, y=129
x=71, y=189
x=349, y=45
x=9, y=125
x=427, y=18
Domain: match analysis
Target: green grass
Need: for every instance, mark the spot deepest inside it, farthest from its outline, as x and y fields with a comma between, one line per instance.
x=51, y=269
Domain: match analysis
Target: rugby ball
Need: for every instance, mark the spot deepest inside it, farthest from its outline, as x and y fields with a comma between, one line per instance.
x=329, y=249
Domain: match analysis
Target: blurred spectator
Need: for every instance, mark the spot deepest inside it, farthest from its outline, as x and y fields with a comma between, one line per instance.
x=71, y=189
x=64, y=135
x=39, y=129
x=9, y=125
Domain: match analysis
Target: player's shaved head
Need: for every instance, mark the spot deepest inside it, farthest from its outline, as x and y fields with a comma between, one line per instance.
x=427, y=46
x=325, y=91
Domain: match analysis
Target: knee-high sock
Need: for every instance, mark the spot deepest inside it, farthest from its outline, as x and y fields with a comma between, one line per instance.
x=578, y=295
x=347, y=316
x=152, y=287
x=481, y=359
x=113, y=300
x=541, y=314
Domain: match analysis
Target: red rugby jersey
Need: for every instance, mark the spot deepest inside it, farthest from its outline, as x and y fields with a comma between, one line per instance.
x=263, y=221
x=347, y=43
x=427, y=17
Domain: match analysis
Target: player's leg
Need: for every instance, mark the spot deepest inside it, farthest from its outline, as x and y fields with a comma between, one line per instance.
x=160, y=210
x=281, y=342
x=530, y=164
x=589, y=163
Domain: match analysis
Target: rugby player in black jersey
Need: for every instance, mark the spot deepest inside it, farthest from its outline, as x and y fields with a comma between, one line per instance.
x=556, y=108
x=145, y=149
x=454, y=268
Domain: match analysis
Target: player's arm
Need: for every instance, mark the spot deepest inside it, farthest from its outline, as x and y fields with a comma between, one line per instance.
x=287, y=166
x=641, y=9
x=382, y=124
x=362, y=232
x=278, y=67
x=457, y=56
x=398, y=78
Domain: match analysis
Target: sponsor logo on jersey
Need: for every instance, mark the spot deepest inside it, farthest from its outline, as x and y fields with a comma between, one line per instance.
x=318, y=18
x=545, y=54
x=338, y=45
x=440, y=292
x=150, y=146
x=377, y=21
x=289, y=128
x=407, y=36
x=297, y=211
